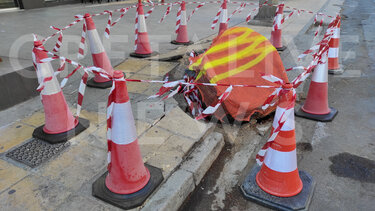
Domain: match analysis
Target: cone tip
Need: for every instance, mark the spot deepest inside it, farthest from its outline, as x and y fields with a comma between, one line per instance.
x=118, y=74
x=87, y=15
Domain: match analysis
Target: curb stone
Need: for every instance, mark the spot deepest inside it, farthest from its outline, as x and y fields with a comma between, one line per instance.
x=181, y=183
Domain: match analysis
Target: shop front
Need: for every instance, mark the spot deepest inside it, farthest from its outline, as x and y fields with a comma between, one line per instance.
x=31, y=4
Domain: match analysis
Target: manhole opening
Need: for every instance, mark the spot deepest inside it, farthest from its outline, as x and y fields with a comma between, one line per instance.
x=35, y=152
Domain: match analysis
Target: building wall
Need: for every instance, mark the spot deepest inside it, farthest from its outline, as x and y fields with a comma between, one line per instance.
x=31, y=4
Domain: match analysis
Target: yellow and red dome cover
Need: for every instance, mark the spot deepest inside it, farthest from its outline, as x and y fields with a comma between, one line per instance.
x=239, y=55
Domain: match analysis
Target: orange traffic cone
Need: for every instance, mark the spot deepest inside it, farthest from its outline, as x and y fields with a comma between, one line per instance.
x=278, y=183
x=223, y=17
x=316, y=104
x=142, y=48
x=182, y=34
x=128, y=182
x=279, y=173
x=333, y=52
x=99, y=56
x=276, y=29
x=60, y=125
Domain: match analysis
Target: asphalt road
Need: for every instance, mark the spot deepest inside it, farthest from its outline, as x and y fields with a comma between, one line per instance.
x=340, y=155
x=16, y=29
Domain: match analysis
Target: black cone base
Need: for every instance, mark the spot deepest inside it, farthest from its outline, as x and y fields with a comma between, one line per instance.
x=281, y=48
x=251, y=191
x=102, y=85
x=127, y=201
x=136, y=55
x=336, y=71
x=82, y=125
x=322, y=118
x=182, y=43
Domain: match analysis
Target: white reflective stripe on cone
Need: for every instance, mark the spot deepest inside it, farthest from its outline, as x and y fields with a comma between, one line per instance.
x=224, y=16
x=51, y=87
x=183, y=18
x=289, y=123
x=333, y=53
x=281, y=161
x=109, y=134
x=320, y=73
x=142, y=24
x=336, y=33
x=96, y=45
x=109, y=157
x=123, y=125
x=278, y=20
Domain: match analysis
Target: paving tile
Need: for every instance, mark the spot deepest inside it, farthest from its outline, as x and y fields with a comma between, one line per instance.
x=14, y=135
x=36, y=119
x=157, y=68
x=9, y=175
x=148, y=110
x=78, y=202
x=152, y=140
x=75, y=166
x=33, y=193
x=140, y=87
x=179, y=122
x=94, y=117
x=131, y=65
x=171, y=154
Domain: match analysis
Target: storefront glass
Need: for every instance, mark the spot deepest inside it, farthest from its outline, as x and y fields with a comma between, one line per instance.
x=7, y=4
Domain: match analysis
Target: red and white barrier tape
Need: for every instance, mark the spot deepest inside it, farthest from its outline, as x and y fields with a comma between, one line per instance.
x=196, y=9
x=285, y=18
x=81, y=50
x=136, y=30
x=239, y=10
x=59, y=40
x=166, y=13
x=320, y=25
x=81, y=92
x=123, y=12
x=107, y=30
x=216, y=19
x=327, y=36
x=178, y=19
x=151, y=10
x=65, y=28
x=284, y=116
x=213, y=108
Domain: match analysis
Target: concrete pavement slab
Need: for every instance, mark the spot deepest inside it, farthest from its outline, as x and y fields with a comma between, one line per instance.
x=131, y=66
x=169, y=155
x=14, y=134
x=33, y=193
x=10, y=175
x=75, y=166
x=179, y=122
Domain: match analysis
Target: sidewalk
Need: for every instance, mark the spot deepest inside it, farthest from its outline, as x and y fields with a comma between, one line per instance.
x=169, y=138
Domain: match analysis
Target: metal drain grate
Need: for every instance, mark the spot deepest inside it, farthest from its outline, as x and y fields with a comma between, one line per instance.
x=36, y=152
